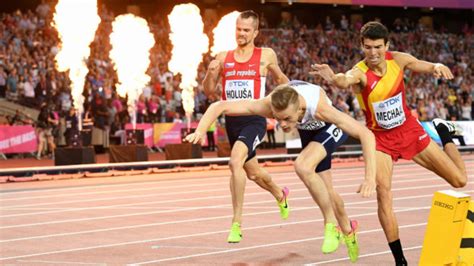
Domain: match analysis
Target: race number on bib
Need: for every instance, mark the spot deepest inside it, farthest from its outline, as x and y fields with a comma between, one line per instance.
x=335, y=132
x=239, y=89
x=389, y=113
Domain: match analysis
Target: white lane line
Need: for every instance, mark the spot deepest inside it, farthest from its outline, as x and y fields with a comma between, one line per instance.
x=258, y=246
x=200, y=234
x=363, y=256
x=62, y=262
x=199, y=208
x=186, y=247
x=159, y=187
x=162, y=183
x=262, y=192
x=349, y=204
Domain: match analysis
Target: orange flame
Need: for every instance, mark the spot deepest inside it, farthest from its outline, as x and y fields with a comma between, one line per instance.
x=76, y=22
x=131, y=42
x=189, y=44
x=224, y=34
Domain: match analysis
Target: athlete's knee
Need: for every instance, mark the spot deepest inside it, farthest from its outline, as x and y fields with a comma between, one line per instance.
x=302, y=169
x=459, y=181
x=384, y=195
x=236, y=163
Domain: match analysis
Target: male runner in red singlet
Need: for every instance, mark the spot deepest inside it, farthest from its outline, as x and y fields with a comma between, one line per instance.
x=243, y=73
x=378, y=83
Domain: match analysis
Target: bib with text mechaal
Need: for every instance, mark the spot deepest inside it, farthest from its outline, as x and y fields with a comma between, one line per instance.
x=383, y=98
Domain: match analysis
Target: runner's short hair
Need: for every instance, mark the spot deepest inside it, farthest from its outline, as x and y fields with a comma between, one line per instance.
x=250, y=14
x=374, y=30
x=282, y=96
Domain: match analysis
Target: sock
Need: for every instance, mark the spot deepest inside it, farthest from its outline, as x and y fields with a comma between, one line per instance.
x=444, y=134
x=397, y=252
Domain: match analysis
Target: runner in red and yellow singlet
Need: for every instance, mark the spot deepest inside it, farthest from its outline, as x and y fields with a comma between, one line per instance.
x=383, y=102
x=378, y=83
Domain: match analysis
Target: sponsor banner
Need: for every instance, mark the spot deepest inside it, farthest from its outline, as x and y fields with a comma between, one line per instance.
x=17, y=139
x=467, y=131
x=170, y=133
x=147, y=132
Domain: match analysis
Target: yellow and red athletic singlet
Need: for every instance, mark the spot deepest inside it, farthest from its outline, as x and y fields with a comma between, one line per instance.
x=383, y=98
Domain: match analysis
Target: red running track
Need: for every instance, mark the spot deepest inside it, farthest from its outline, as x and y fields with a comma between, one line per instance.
x=183, y=218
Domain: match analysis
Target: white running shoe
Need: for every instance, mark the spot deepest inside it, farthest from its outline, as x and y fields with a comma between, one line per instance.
x=452, y=127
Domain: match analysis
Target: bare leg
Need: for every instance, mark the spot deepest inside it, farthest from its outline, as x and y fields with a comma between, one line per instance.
x=305, y=165
x=337, y=203
x=449, y=164
x=386, y=215
x=262, y=178
x=237, y=182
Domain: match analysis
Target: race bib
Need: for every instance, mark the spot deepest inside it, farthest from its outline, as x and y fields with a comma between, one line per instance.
x=335, y=132
x=389, y=113
x=311, y=125
x=239, y=89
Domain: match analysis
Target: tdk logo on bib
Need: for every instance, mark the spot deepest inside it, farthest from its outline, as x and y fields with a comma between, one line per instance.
x=239, y=89
x=389, y=102
x=389, y=113
x=238, y=83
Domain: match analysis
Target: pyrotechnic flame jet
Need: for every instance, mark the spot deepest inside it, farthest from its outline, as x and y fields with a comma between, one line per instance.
x=189, y=44
x=224, y=34
x=76, y=22
x=131, y=42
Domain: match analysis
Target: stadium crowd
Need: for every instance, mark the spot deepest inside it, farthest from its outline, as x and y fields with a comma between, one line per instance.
x=29, y=43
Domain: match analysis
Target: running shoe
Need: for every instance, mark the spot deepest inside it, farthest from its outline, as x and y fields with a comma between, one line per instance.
x=283, y=204
x=235, y=234
x=351, y=242
x=452, y=127
x=332, y=237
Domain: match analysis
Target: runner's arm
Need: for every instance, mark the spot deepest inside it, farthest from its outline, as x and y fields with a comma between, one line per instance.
x=341, y=80
x=410, y=62
x=212, y=75
x=242, y=107
x=274, y=68
x=346, y=123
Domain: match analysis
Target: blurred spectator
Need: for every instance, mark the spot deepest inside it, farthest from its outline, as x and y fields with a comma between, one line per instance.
x=3, y=82
x=344, y=23
x=466, y=109
x=46, y=124
x=341, y=104
x=71, y=126
x=211, y=144
x=271, y=124
x=12, y=82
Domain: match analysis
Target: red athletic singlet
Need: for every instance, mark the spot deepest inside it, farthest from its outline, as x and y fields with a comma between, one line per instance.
x=383, y=98
x=397, y=132
x=242, y=80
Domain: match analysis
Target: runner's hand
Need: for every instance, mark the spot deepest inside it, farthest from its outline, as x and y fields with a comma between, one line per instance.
x=323, y=71
x=442, y=71
x=195, y=138
x=367, y=188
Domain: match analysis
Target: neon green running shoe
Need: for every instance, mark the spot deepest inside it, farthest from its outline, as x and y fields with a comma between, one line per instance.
x=332, y=237
x=235, y=234
x=283, y=204
x=351, y=242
